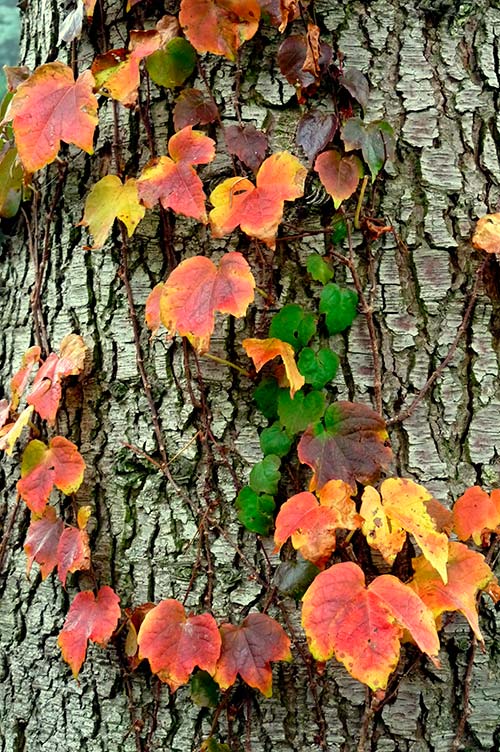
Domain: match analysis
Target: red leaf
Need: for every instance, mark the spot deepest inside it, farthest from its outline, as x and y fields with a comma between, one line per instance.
x=196, y=289
x=249, y=144
x=174, y=643
x=248, y=650
x=173, y=181
x=51, y=107
x=42, y=541
x=60, y=464
x=20, y=379
x=73, y=552
x=219, y=26
x=340, y=175
x=311, y=527
x=89, y=618
x=192, y=106
x=475, y=513
x=363, y=626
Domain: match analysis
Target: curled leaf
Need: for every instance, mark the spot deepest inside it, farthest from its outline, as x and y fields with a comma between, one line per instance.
x=263, y=350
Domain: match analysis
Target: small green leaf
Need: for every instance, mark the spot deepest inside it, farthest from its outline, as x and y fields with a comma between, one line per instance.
x=376, y=141
x=294, y=577
x=212, y=745
x=339, y=304
x=266, y=397
x=339, y=229
x=204, y=690
x=293, y=325
x=318, y=368
x=275, y=440
x=319, y=269
x=298, y=413
x=170, y=66
x=265, y=475
x=255, y=512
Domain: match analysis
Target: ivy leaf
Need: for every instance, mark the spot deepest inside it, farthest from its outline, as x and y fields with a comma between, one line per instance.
x=42, y=540
x=293, y=325
x=266, y=397
x=298, y=413
x=468, y=573
x=171, y=65
x=265, y=475
x=110, y=199
x=19, y=381
x=204, y=691
x=315, y=131
x=362, y=626
x=476, y=513
x=219, y=26
x=11, y=170
x=381, y=533
x=212, y=745
x=261, y=351
x=351, y=445
x=258, y=209
x=175, y=643
x=192, y=106
x=135, y=618
x=339, y=175
x=376, y=141
x=247, y=143
x=275, y=440
x=294, y=577
x=89, y=618
x=73, y=552
x=319, y=269
x=339, y=304
x=319, y=368
x=487, y=234
x=311, y=527
x=196, y=289
x=60, y=464
x=51, y=107
x=173, y=180
x=248, y=650
x=357, y=85
x=280, y=12
x=255, y=511
x=10, y=432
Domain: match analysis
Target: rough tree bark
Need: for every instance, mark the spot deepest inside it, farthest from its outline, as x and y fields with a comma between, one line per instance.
x=434, y=74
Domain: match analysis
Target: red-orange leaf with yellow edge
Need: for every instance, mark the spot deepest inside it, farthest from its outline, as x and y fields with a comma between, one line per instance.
x=363, y=626
x=60, y=464
x=73, y=552
x=258, y=209
x=219, y=26
x=89, y=618
x=175, y=643
x=51, y=107
x=20, y=379
x=468, y=573
x=173, y=180
x=195, y=290
x=42, y=541
x=311, y=527
x=475, y=513
x=263, y=350
x=248, y=650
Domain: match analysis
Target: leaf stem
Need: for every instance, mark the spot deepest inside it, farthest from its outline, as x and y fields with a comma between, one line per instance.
x=360, y=202
x=224, y=362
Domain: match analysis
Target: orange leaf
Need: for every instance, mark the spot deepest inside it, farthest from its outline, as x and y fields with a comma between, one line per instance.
x=110, y=199
x=73, y=552
x=258, y=209
x=60, y=464
x=476, y=512
x=362, y=626
x=89, y=618
x=248, y=650
x=174, y=643
x=173, y=180
x=187, y=301
x=20, y=379
x=468, y=573
x=311, y=527
x=487, y=234
x=263, y=350
x=337, y=495
x=42, y=541
x=51, y=107
x=219, y=26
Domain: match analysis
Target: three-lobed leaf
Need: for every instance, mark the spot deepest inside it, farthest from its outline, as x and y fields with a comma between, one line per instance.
x=219, y=26
x=475, y=513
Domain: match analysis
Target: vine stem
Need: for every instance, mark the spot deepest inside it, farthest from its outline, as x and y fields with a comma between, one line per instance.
x=451, y=352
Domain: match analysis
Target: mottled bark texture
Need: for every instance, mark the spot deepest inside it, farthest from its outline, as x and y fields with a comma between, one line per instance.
x=434, y=74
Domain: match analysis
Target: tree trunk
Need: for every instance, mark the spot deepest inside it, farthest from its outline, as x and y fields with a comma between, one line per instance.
x=433, y=72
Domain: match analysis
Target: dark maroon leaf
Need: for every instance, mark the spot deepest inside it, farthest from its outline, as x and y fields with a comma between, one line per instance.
x=357, y=86
x=316, y=129
x=249, y=144
x=291, y=57
x=192, y=107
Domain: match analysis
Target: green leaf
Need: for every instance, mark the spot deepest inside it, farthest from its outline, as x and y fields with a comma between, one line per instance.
x=293, y=325
x=275, y=440
x=204, y=690
x=318, y=368
x=255, y=512
x=339, y=305
x=319, y=269
x=171, y=65
x=11, y=181
x=339, y=229
x=298, y=413
x=266, y=397
x=265, y=475
x=212, y=745
x=376, y=141
x=294, y=577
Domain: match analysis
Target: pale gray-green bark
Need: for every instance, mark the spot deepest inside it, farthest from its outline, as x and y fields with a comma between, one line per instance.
x=434, y=75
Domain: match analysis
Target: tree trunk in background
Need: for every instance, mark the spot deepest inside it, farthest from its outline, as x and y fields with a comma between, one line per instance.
x=433, y=71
